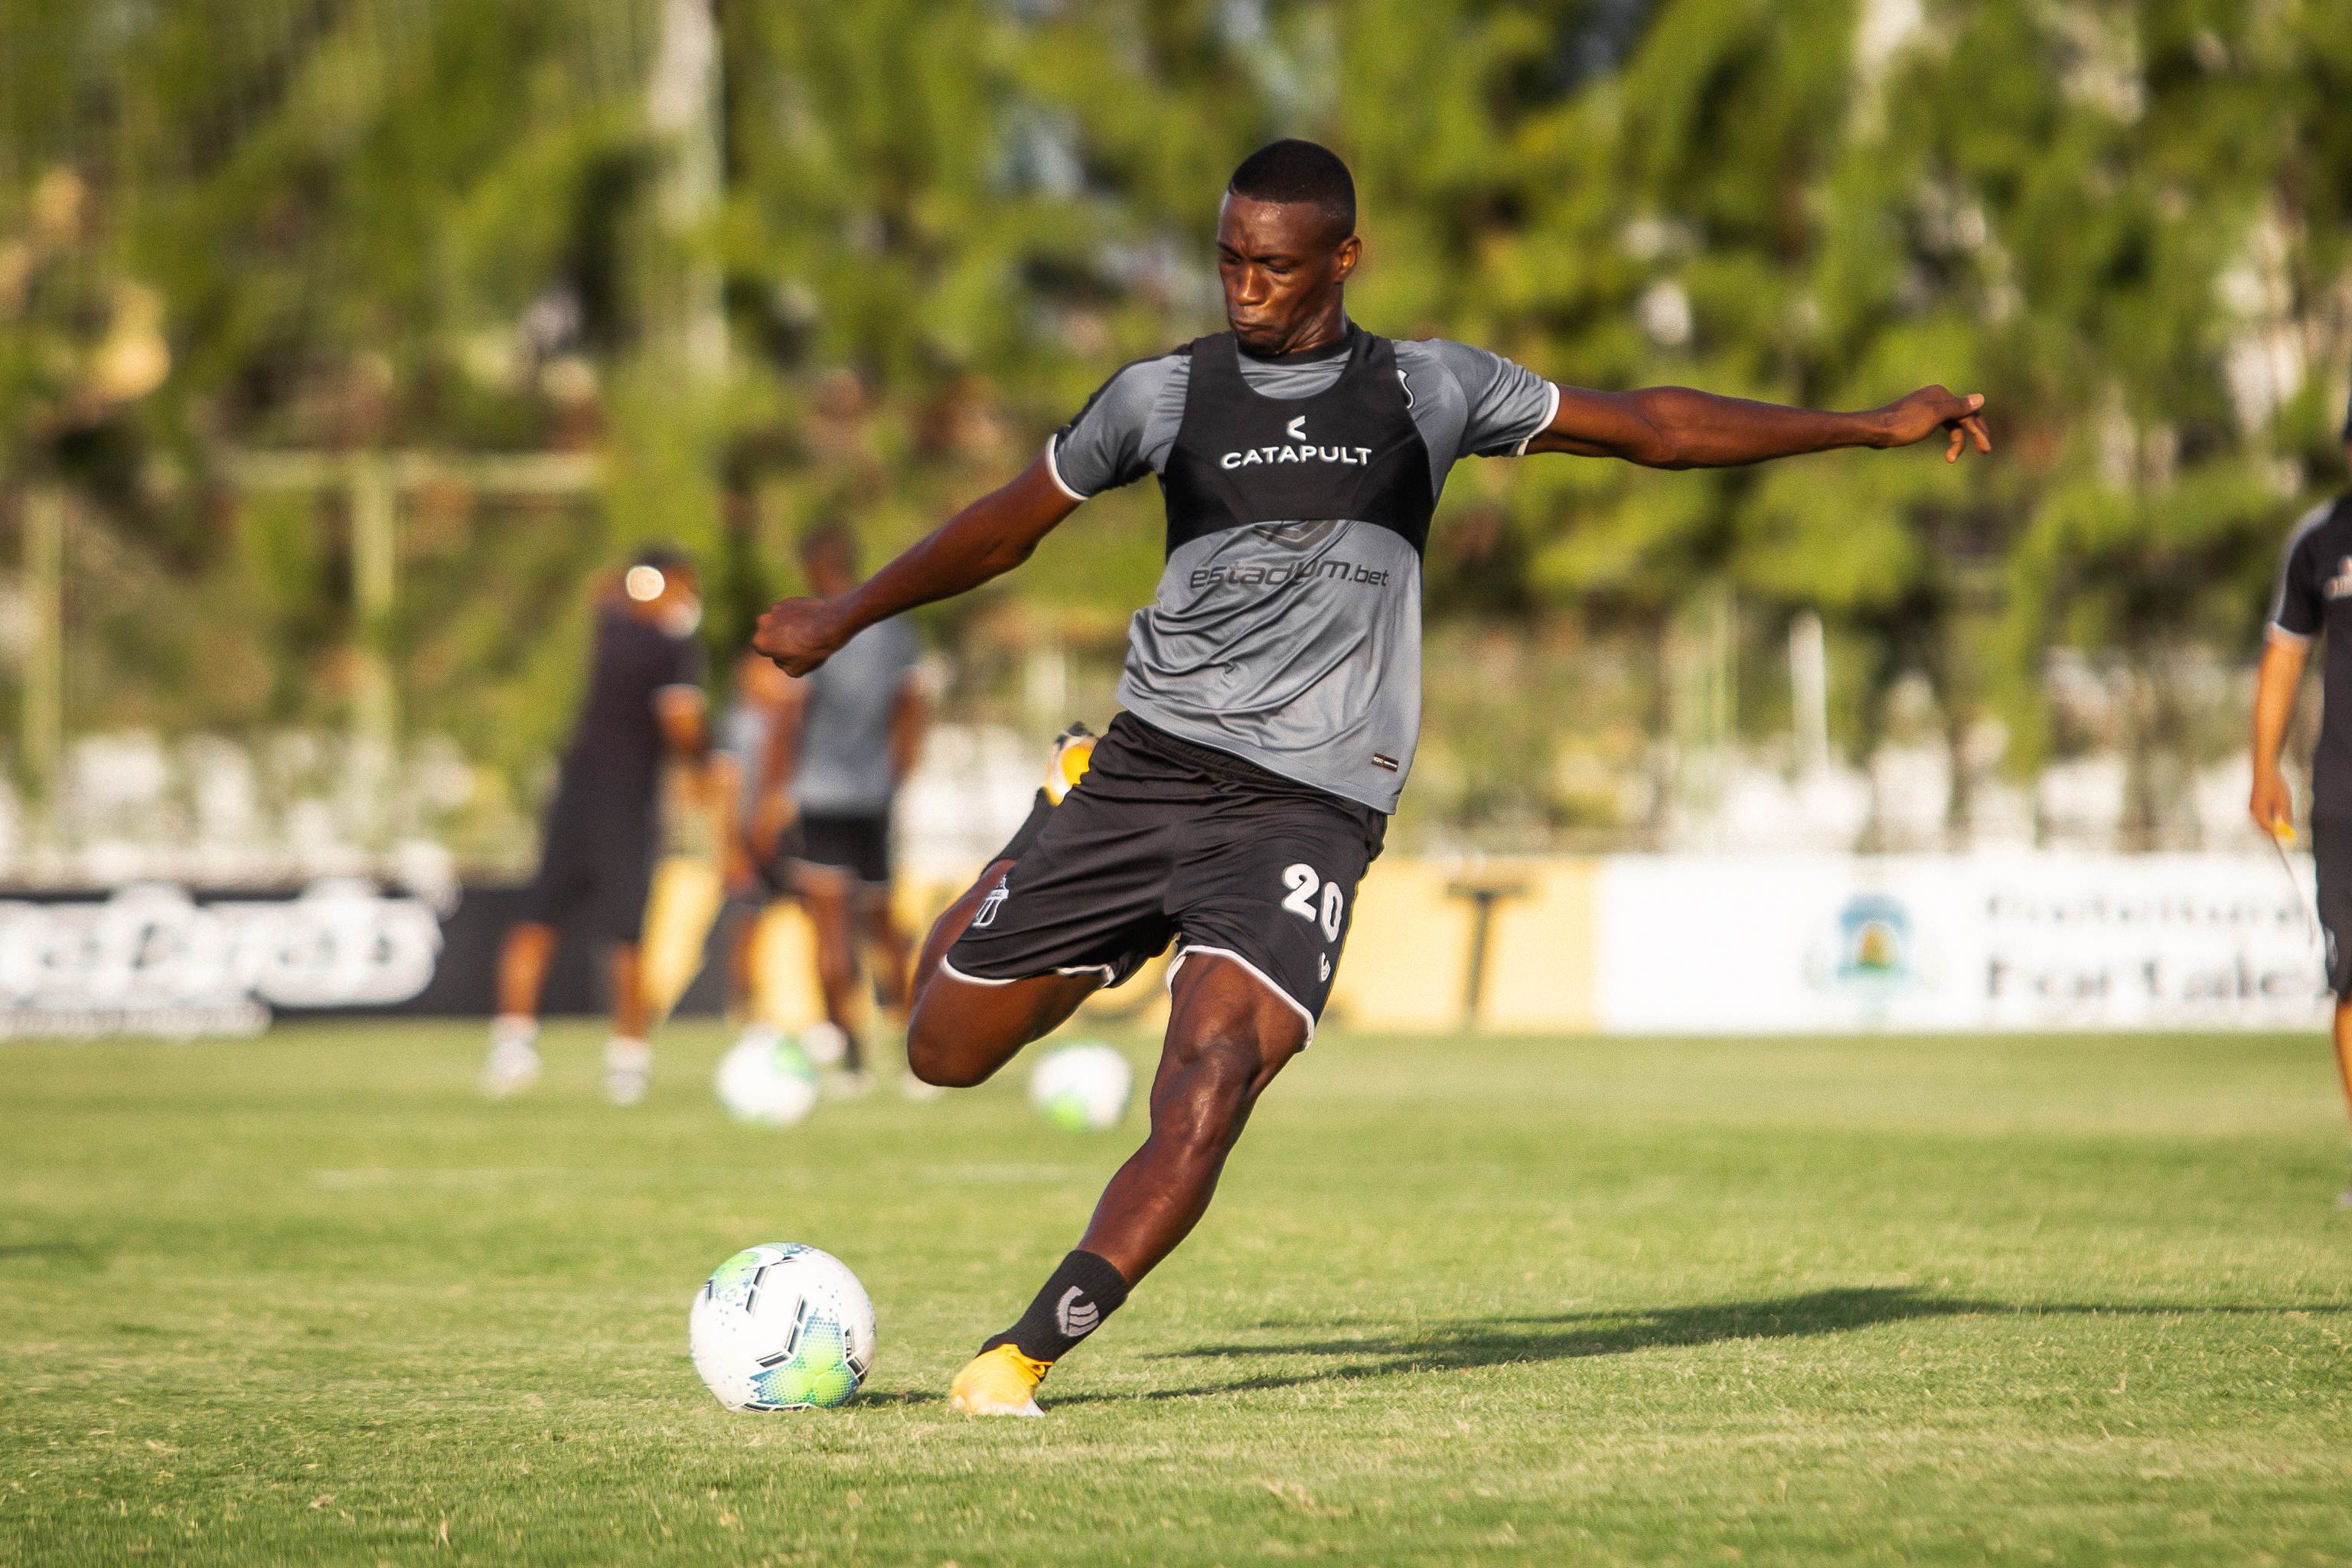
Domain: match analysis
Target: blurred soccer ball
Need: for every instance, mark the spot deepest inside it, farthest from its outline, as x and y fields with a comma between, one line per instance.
x=1082, y=1088
x=767, y=1081
x=781, y=1327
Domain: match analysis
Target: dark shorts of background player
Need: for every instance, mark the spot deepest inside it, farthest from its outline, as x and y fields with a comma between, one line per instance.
x=596, y=867
x=857, y=844
x=1165, y=841
x=2331, y=855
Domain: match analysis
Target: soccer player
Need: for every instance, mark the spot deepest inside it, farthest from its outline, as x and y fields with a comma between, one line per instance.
x=860, y=734
x=2312, y=582
x=644, y=699
x=1273, y=691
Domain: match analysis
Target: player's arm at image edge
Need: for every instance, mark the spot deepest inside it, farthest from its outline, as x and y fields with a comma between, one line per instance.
x=2298, y=611
x=982, y=542
x=1677, y=427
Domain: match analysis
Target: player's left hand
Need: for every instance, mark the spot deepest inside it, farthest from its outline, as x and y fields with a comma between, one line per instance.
x=1930, y=409
x=799, y=635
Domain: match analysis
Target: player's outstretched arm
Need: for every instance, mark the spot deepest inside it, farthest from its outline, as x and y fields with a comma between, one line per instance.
x=1674, y=427
x=985, y=540
x=2276, y=688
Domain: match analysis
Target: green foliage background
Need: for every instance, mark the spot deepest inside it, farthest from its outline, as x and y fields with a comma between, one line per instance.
x=939, y=224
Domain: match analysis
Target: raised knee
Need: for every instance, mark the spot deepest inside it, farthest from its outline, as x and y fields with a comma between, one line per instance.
x=933, y=1058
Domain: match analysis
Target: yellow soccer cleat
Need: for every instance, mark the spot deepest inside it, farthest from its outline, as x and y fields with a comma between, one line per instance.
x=999, y=1381
x=1074, y=748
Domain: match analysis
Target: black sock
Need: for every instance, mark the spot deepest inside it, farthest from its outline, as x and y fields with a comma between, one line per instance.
x=1083, y=1291
x=1041, y=811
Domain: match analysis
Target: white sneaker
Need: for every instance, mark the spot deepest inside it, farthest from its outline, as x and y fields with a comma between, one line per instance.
x=512, y=1067
x=824, y=1043
x=628, y=1069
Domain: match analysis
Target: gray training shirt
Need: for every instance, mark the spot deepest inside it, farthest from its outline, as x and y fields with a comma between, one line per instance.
x=844, y=740
x=1261, y=657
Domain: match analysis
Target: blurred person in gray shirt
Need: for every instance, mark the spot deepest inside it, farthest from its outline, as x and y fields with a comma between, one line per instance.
x=860, y=734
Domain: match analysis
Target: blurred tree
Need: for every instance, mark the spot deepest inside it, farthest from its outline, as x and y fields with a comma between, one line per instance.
x=933, y=226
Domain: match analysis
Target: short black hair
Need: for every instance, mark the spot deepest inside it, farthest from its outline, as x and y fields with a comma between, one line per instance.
x=1294, y=172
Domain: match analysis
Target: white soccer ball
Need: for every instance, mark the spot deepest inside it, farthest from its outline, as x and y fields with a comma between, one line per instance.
x=1083, y=1087
x=781, y=1327
x=766, y=1080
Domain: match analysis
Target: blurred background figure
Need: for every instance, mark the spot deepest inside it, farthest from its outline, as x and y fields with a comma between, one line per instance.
x=761, y=837
x=644, y=700
x=2315, y=583
x=858, y=735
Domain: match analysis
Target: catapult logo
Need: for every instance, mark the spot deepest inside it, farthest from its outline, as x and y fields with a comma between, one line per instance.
x=1306, y=451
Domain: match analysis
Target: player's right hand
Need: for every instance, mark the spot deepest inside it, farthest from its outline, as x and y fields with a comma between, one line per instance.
x=799, y=635
x=2273, y=804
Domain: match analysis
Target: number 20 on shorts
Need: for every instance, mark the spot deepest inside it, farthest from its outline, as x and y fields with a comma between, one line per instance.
x=1303, y=882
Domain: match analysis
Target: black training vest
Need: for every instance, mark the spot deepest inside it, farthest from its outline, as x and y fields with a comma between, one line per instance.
x=1287, y=625
x=1229, y=466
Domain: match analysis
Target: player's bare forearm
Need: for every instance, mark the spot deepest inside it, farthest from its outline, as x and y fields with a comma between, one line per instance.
x=2276, y=688
x=985, y=540
x=1677, y=427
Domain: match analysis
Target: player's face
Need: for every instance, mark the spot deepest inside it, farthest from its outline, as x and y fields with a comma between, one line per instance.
x=1282, y=266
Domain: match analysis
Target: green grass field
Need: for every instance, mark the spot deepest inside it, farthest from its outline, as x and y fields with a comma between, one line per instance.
x=307, y=1300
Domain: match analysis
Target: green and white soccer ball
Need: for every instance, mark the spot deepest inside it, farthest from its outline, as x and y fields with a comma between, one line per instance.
x=766, y=1080
x=1083, y=1087
x=781, y=1327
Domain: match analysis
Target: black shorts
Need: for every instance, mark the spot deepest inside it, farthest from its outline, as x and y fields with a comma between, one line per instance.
x=860, y=844
x=596, y=867
x=2331, y=855
x=1165, y=841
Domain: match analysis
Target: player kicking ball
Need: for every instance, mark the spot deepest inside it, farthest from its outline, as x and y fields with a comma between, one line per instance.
x=1271, y=689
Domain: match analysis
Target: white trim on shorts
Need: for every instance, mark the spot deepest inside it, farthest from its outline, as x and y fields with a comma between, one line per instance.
x=953, y=973
x=1263, y=978
x=1105, y=971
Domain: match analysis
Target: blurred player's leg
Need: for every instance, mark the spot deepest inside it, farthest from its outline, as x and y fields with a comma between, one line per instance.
x=512, y=1065
x=828, y=891
x=2331, y=856
x=2344, y=1074
x=628, y=1060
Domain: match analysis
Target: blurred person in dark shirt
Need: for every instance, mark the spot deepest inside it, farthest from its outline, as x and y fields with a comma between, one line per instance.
x=858, y=735
x=644, y=702
x=2315, y=581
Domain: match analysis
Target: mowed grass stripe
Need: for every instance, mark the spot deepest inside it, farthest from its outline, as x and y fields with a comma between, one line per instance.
x=306, y=1298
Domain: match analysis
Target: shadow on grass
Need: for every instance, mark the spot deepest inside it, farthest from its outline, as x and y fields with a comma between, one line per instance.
x=78, y=1252
x=1504, y=1340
